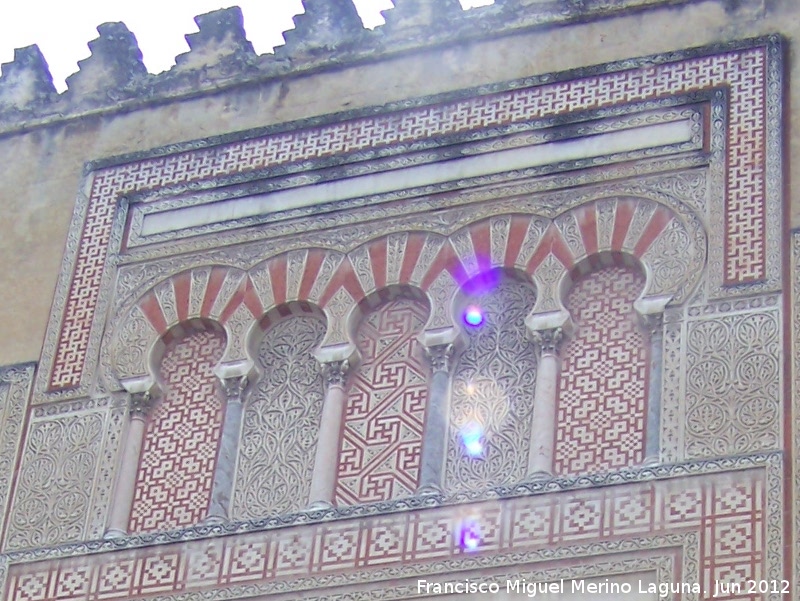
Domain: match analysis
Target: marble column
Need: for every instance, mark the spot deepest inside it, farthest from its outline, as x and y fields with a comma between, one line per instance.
x=543, y=426
x=326, y=460
x=139, y=405
x=222, y=487
x=654, y=323
x=434, y=439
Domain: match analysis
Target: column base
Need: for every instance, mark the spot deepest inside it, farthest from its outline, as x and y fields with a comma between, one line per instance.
x=213, y=520
x=319, y=505
x=429, y=490
x=113, y=533
x=651, y=461
x=539, y=476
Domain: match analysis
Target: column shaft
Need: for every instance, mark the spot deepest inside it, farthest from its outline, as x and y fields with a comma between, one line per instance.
x=222, y=487
x=543, y=426
x=122, y=501
x=326, y=459
x=653, y=433
x=434, y=438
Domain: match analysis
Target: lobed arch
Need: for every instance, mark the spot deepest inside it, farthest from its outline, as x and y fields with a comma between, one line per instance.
x=669, y=245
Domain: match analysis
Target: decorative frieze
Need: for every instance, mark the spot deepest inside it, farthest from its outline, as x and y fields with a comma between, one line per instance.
x=554, y=531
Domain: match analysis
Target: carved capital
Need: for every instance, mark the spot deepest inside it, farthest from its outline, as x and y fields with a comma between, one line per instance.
x=548, y=341
x=334, y=373
x=440, y=356
x=140, y=403
x=234, y=388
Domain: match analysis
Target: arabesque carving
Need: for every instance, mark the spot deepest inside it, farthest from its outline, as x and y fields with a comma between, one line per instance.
x=493, y=391
x=281, y=422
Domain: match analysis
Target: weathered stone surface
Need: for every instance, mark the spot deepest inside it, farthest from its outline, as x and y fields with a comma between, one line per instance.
x=325, y=26
x=221, y=38
x=115, y=63
x=25, y=82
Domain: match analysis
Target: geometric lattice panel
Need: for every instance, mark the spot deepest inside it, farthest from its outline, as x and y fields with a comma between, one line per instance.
x=602, y=392
x=382, y=437
x=493, y=386
x=281, y=422
x=179, y=454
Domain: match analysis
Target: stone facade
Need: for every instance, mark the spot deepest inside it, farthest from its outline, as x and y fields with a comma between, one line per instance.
x=511, y=320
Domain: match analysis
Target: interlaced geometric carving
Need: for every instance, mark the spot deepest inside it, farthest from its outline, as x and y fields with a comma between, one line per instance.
x=55, y=483
x=281, y=421
x=382, y=435
x=179, y=453
x=493, y=387
x=603, y=384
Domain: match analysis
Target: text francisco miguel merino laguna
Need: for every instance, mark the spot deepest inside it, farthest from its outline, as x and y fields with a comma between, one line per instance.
x=532, y=588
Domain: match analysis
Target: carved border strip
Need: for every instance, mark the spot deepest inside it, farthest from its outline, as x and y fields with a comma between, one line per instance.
x=15, y=388
x=634, y=516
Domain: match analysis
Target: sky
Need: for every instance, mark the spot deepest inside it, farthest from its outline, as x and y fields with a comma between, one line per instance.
x=62, y=29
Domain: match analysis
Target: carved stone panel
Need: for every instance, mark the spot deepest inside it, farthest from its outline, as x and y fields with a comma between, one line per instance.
x=179, y=453
x=382, y=435
x=15, y=383
x=602, y=392
x=733, y=384
x=53, y=497
x=493, y=389
x=281, y=422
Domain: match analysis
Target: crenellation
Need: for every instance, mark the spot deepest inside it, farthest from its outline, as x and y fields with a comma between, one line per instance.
x=221, y=39
x=328, y=35
x=113, y=70
x=26, y=81
x=326, y=27
x=416, y=14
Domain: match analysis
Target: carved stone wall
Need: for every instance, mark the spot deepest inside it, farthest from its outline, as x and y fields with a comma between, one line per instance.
x=15, y=383
x=281, y=421
x=63, y=487
x=551, y=534
x=382, y=434
x=733, y=384
x=492, y=397
x=425, y=193
x=744, y=224
x=179, y=453
x=602, y=391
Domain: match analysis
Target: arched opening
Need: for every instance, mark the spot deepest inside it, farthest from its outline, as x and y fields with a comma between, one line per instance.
x=493, y=384
x=179, y=453
x=602, y=391
x=386, y=400
x=282, y=416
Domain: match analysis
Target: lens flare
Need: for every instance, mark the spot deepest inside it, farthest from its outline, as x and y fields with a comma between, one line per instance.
x=472, y=437
x=470, y=534
x=473, y=316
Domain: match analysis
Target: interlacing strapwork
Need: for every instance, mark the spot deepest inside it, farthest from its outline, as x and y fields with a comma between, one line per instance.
x=179, y=454
x=382, y=435
x=602, y=392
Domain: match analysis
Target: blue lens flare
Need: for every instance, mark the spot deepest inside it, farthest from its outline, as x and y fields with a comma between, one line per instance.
x=473, y=316
x=472, y=437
